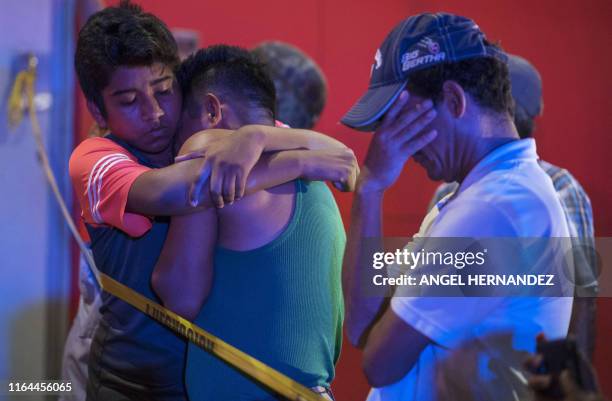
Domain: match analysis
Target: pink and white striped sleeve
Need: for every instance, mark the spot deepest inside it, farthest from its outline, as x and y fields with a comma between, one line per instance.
x=102, y=173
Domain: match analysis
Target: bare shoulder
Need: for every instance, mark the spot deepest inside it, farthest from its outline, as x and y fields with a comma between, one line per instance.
x=201, y=139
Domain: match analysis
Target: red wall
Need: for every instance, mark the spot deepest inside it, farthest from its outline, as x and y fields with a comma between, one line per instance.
x=565, y=40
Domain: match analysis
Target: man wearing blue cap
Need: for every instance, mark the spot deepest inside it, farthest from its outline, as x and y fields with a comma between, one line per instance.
x=527, y=94
x=440, y=92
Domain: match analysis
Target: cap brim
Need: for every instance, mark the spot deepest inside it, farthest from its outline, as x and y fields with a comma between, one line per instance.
x=366, y=113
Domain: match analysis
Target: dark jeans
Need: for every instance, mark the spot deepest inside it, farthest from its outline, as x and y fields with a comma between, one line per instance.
x=103, y=385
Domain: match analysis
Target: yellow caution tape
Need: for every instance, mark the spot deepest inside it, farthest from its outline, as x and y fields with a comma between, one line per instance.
x=255, y=369
x=252, y=367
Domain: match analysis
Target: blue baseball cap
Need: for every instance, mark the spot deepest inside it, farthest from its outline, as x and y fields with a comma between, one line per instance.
x=416, y=43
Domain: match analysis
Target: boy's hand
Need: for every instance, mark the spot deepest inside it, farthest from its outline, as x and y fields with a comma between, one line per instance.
x=228, y=161
x=336, y=165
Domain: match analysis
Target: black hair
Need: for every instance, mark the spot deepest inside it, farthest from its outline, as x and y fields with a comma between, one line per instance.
x=301, y=87
x=230, y=70
x=486, y=79
x=120, y=36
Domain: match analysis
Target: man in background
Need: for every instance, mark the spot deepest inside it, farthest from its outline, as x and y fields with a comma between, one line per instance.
x=301, y=87
x=527, y=93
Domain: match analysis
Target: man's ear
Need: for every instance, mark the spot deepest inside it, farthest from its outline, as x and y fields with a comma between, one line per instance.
x=96, y=113
x=454, y=98
x=211, y=112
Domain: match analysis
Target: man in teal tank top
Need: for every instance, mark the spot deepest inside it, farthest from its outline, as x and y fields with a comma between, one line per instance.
x=264, y=273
